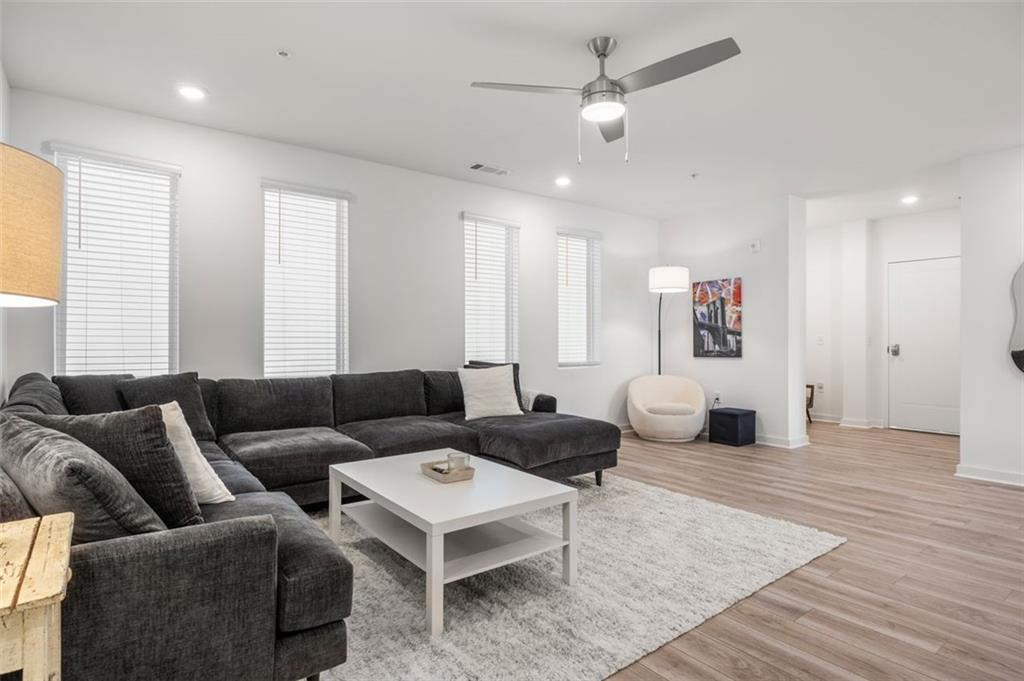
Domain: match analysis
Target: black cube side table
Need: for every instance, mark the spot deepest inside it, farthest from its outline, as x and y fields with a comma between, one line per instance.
x=730, y=426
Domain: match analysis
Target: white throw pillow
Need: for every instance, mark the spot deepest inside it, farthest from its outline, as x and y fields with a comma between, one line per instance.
x=489, y=392
x=206, y=485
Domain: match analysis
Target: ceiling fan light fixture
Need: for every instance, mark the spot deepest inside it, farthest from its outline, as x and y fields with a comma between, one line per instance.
x=602, y=112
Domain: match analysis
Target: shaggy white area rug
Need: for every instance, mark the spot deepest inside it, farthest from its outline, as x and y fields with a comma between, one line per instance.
x=653, y=564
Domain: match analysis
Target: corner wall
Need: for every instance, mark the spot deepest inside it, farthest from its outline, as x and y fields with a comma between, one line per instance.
x=769, y=378
x=992, y=388
x=5, y=127
x=405, y=252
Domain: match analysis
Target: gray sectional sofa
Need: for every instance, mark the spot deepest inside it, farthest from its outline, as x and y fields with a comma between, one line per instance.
x=257, y=591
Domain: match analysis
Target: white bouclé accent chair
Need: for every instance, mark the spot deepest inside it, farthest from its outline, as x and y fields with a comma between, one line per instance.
x=666, y=408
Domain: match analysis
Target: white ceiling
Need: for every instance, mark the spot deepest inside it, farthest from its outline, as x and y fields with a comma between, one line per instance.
x=936, y=188
x=825, y=98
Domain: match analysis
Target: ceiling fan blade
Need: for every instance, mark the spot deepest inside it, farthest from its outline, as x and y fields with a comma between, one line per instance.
x=519, y=87
x=680, y=65
x=612, y=130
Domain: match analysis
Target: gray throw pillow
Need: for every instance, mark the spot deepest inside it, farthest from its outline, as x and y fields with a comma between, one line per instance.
x=13, y=505
x=181, y=388
x=57, y=473
x=92, y=394
x=135, y=442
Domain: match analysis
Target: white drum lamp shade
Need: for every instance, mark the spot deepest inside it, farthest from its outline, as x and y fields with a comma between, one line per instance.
x=31, y=214
x=669, y=279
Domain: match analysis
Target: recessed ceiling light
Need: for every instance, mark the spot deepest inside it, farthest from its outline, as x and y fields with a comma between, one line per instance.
x=192, y=93
x=909, y=200
x=563, y=181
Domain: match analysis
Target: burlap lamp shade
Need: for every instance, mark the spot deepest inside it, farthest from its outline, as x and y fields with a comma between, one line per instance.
x=31, y=197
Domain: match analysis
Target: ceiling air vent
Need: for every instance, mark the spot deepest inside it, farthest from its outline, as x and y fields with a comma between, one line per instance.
x=491, y=170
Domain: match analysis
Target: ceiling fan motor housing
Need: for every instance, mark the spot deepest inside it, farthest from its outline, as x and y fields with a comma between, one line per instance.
x=603, y=89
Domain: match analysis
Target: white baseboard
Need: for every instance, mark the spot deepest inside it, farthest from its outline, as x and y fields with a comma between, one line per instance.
x=855, y=423
x=990, y=475
x=826, y=418
x=782, y=442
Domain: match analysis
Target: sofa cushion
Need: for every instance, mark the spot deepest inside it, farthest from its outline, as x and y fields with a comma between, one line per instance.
x=211, y=400
x=314, y=579
x=92, y=394
x=288, y=457
x=180, y=388
x=405, y=434
x=535, y=439
x=247, y=405
x=13, y=504
x=135, y=442
x=37, y=392
x=443, y=392
x=364, y=397
x=234, y=475
x=57, y=473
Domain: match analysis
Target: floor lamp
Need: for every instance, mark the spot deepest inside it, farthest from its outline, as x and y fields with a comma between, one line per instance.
x=31, y=205
x=667, y=279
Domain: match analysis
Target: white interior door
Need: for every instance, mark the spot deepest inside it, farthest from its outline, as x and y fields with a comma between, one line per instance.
x=924, y=345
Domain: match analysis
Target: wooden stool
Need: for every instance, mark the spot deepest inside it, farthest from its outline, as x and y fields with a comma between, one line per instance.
x=34, y=574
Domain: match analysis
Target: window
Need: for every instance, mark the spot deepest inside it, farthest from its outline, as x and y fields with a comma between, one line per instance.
x=119, y=309
x=492, y=290
x=305, y=285
x=579, y=300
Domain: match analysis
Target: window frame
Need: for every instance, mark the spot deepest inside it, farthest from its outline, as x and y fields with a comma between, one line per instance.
x=512, y=262
x=344, y=201
x=594, y=304
x=58, y=151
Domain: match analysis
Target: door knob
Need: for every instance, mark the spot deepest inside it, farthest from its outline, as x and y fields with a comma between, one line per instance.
x=894, y=350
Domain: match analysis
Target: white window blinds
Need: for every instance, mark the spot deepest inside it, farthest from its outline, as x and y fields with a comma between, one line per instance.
x=119, y=311
x=492, y=290
x=305, y=288
x=579, y=300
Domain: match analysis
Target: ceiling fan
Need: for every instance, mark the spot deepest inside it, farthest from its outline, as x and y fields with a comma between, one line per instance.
x=603, y=100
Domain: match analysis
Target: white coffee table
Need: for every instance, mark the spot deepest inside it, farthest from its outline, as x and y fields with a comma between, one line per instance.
x=453, y=530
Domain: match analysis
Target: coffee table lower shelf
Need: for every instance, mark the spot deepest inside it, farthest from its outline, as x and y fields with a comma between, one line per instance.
x=466, y=552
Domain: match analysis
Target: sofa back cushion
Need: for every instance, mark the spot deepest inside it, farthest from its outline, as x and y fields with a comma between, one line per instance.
x=181, y=388
x=13, y=505
x=92, y=394
x=135, y=442
x=247, y=405
x=57, y=474
x=35, y=392
x=379, y=395
x=211, y=400
x=443, y=392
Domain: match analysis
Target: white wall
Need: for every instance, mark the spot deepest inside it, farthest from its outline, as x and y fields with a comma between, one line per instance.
x=916, y=236
x=406, y=280
x=992, y=388
x=5, y=111
x=714, y=244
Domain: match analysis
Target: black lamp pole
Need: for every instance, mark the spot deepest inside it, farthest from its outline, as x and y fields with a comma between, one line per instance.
x=659, y=332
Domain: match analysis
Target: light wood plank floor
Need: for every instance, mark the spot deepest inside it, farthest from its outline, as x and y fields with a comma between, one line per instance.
x=929, y=586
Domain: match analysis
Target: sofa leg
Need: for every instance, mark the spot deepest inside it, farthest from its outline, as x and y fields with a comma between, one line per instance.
x=313, y=677
x=597, y=476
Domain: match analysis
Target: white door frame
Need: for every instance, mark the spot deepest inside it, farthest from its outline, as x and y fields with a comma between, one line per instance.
x=885, y=326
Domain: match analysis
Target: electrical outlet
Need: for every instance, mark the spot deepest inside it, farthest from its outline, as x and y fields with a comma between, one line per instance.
x=821, y=340
x=754, y=246
x=820, y=387
x=716, y=396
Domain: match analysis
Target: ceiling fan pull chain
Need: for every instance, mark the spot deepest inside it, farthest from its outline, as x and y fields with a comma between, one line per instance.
x=579, y=142
x=625, y=124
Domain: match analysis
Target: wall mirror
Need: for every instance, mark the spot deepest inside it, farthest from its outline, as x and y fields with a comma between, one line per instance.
x=1017, y=337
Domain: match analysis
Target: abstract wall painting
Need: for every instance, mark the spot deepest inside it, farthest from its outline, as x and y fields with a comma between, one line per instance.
x=718, y=318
